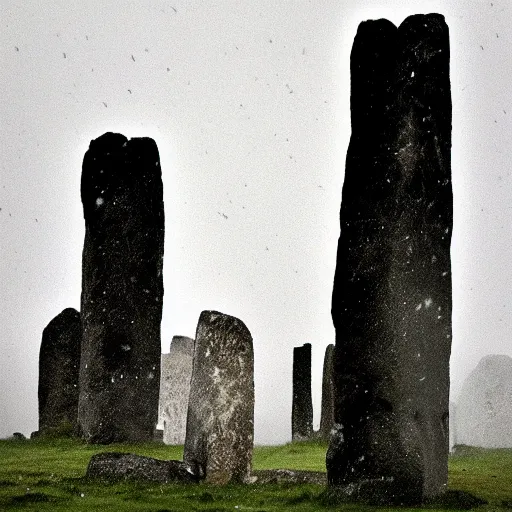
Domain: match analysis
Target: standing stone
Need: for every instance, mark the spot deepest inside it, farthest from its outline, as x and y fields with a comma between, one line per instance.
x=220, y=420
x=484, y=407
x=452, y=425
x=59, y=363
x=302, y=404
x=176, y=372
x=327, y=413
x=122, y=289
x=391, y=304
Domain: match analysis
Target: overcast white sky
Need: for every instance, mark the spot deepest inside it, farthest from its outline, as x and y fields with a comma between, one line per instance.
x=248, y=102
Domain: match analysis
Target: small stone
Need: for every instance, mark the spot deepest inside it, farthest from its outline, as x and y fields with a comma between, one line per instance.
x=59, y=364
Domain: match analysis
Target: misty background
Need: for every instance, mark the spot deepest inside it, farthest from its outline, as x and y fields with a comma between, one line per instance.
x=248, y=102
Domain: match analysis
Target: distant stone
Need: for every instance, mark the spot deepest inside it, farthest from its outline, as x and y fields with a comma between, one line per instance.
x=452, y=424
x=327, y=413
x=113, y=466
x=302, y=404
x=484, y=407
x=122, y=289
x=19, y=436
x=176, y=372
x=59, y=364
x=158, y=435
x=220, y=421
x=392, y=295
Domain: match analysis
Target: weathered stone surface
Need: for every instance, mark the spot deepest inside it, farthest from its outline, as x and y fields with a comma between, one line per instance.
x=122, y=289
x=327, y=413
x=302, y=404
x=279, y=476
x=391, y=304
x=220, y=420
x=176, y=372
x=484, y=407
x=127, y=466
x=59, y=363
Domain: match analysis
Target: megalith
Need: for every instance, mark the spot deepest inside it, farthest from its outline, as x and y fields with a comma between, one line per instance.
x=484, y=406
x=327, y=412
x=176, y=372
x=122, y=289
x=452, y=426
x=391, y=304
x=302, y=404
x=220, y=420
x=59, y=364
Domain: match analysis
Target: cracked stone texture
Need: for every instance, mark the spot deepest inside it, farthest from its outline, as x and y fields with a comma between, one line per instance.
x=59, y=363
x=122, y=289
x=176, y=372
x=302, y=404
x=113, y=466
x=391, y=304
x=327, y=412
x=220, y=420
x=484, y=407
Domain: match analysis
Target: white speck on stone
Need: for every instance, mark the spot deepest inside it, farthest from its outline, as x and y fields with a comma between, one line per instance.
x=422, y=379
x=412, y=74
x=444, y=273
x=361, y=458
x=112, y=379
x=434, y=258
x=418, y=307
x=99, y=201
x=121, y=375
x=126, y=347
x=151, y=375
x=207, y=353
x=419, y=355
x=428, y=302
x=439, y=317
x=86, y=366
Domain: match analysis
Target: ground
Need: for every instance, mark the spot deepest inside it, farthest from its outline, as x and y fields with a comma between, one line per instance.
x=42, y=475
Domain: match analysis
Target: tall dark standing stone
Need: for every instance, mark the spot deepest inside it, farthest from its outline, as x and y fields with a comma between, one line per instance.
x=391, y=304
x=302, y=404
x=122, y=289
x=59, y=363
x=327, y=413
x=220, y=419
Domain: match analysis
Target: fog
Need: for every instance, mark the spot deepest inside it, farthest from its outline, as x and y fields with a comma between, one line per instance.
x=248, y=103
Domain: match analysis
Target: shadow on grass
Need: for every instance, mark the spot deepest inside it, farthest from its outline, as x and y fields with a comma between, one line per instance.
x=451, y=500
x=34, y=497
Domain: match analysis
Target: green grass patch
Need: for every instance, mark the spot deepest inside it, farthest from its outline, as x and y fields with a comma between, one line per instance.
x=48, y=474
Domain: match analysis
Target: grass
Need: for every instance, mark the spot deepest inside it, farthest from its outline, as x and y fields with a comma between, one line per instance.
x=41, y=475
